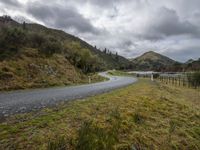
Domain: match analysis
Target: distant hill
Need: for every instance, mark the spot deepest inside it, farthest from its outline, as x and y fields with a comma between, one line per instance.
x=192, y=65
x=189, y=61
x=32, y=55
x=152, y=61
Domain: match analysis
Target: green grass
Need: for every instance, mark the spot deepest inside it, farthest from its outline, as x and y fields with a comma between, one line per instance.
x=146, y=115
x=118, y=73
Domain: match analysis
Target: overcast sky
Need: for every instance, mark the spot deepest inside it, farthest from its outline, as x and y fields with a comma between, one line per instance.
x=130, y=27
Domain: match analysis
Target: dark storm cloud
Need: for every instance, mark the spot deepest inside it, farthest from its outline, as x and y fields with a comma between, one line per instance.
x=10, y=2
x=61, y=17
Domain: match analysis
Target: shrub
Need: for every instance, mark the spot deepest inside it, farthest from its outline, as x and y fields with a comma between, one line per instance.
x=12, y=38
x=82, y=57
x=36, y=39
x=51, y=46
x=156, y=75
x=194, y=79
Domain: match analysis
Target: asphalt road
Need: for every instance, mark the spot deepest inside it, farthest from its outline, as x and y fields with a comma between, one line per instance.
x=21, y=101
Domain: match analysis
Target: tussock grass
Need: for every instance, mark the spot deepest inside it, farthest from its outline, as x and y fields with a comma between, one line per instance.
x=147, y=115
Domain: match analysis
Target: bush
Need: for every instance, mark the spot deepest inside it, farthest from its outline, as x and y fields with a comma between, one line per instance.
x=51, y=46
x=82, y=57
x=12, y=38
x=194, y=79
x=156, y=75
x=36, y=39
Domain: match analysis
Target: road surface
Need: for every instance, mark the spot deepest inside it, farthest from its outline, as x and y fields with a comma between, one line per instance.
x=21, y=101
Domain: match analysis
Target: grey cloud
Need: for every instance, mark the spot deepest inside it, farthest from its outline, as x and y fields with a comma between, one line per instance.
x=104, y=3
x=183, y=54
x=61, y=17
x=167, y=23
x=14, y=3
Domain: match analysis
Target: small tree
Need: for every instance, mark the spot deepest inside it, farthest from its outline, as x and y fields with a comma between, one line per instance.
x=105, y=50
x=24, y=25
x=12, y=38
x=51, y=46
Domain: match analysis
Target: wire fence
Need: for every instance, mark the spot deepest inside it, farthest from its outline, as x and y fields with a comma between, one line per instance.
x=189, y=80
x=177, y=81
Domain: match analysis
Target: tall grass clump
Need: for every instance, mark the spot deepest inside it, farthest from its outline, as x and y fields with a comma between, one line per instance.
x=93, y=137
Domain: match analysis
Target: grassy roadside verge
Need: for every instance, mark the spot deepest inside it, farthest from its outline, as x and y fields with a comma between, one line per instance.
x=118, y=73
x=146, y=115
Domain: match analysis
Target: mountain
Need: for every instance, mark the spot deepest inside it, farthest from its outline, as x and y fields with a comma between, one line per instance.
x=32, y=55
x=192, y=65
x=189, y=61
x=152, y=61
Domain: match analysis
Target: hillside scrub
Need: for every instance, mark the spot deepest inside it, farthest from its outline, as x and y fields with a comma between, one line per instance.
x=146, y=115
x=32, y=70
x=30, y=59
x=14, y=39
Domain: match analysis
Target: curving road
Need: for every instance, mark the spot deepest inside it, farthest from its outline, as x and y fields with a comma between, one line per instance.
x=20, y=101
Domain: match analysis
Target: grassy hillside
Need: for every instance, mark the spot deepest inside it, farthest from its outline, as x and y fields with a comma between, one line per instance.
x=146, y=115
x=152, y=61
x=29, y=69
x=109, y=60
x=32, y=55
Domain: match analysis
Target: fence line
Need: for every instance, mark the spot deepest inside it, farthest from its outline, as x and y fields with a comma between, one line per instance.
x=182, y=80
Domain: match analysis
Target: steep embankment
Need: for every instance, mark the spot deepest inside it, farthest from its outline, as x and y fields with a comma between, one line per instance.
x=30, y=70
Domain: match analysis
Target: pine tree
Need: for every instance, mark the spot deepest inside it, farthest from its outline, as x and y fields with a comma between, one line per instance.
x=24, y=25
